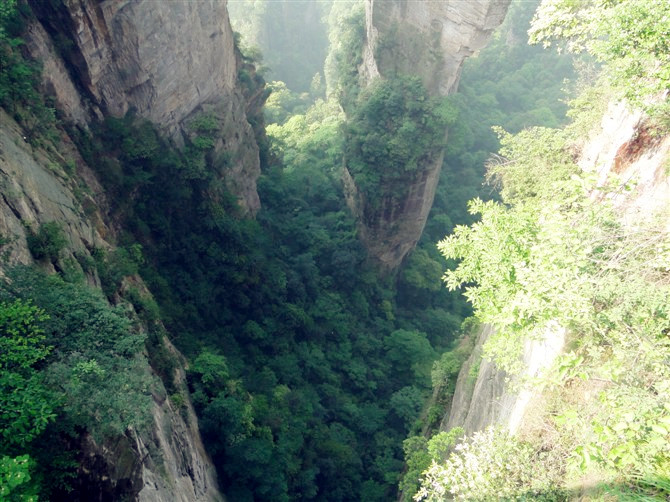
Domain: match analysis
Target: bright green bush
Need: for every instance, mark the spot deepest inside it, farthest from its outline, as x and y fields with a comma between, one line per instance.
x=24, y=399
x=15, y=479
x=490, y=465
x=391, y=131
x=99, y=378
x=420, y=452
x=629, y=37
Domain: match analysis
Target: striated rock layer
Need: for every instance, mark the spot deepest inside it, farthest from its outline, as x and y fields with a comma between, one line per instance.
x=164, y=60
x=430, y=40
x=484, y=394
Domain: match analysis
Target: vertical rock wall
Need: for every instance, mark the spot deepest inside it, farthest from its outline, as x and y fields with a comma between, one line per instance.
x=428, y=39
x=168, y=61
x=169, y=463
x=431, y=40
x=163, y=59
x=485, y=395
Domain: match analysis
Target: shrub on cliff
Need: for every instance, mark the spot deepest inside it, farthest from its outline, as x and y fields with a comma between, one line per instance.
x=394, y=128
x=47, y=242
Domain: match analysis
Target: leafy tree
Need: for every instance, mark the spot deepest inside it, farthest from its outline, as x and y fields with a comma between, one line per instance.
x=15, y=479
x=409, y=350
x=551, y=256
x=26, y=403
x=94, y=367
x=490, y=465
x=420, y=453
x=629, y=37
x=393, y=128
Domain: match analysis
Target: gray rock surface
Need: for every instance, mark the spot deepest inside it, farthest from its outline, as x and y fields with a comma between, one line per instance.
x=169, y=463
x=485, y=395
x=163, y=59
x=431, y=40
x=34, y=190
x=426, y=38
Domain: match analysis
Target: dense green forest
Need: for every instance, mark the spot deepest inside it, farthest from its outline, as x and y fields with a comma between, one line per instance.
x=307, y=370
x=313, y=377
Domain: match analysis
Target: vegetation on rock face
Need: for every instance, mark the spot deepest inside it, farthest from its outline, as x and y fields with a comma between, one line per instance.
x=24, y=399
x=346, y=35
x=19, y=77
x=70, y=364
x=550, y=253
x=490, y=465
x=307, y=370
x=393, y=130
x=47, y=242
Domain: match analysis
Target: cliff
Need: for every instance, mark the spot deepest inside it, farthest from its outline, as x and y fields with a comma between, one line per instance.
x=171, y=63
x=485, y=395
x=430, y=40
x=167, y=463
x=166, y=61
x=627, y=145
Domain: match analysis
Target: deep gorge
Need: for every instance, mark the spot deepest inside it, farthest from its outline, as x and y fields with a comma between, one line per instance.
x=220, y=271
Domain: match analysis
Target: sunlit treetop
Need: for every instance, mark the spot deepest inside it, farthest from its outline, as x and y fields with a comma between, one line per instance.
x=631, y=38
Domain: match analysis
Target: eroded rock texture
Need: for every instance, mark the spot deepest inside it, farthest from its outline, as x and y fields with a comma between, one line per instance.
x=428, y=39
x=166, y=463
x=431, y=40
x=484, y=395
x=165, y=60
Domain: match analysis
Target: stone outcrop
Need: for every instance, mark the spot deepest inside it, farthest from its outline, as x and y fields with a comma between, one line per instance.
x=430, y=40
x=391, y=230
x=164, y=60
x=628, y=146
x=484, y=394
x=33, y=191
x=169, y=462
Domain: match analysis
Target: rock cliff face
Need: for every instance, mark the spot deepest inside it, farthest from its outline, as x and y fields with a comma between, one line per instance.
x=628, y=146
x=625, y=144
x=34, y=191
x=164, y=60
x=484, y=395
x=430, y=40
x=167, y=464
